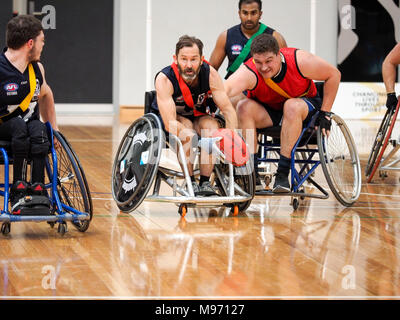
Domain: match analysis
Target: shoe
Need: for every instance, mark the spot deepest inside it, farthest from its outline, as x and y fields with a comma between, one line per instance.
x=196, y=188
x=38, y=189
x=18, y=191
x=207, y=190
x=281, y=184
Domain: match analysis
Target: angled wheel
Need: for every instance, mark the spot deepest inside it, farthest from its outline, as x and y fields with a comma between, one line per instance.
x=72, y=185
x=381, y=141
x=340, y=162
x=136, y=162
x=244, y=179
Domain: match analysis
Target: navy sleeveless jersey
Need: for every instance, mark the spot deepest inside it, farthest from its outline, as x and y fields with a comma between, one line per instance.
x=235, y=42
x=14, y=87
x=202, y=96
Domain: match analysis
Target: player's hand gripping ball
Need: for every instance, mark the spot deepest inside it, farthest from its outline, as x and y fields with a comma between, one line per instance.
x=232, y=146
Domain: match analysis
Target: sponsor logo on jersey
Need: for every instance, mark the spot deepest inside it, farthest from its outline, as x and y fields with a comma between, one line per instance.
x=236, y=49
x=11, y=87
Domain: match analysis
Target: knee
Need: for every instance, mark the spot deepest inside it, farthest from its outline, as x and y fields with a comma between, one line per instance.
x=243, y=110
x=293, y=110
x=20, y=139
x=207, y=126
x=39, y=143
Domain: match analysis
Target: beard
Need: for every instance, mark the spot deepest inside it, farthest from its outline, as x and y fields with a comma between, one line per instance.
x=249, y=25
x=34, y=55
x=188, y=74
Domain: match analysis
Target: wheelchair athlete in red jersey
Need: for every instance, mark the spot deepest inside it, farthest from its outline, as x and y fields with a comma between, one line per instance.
x=281, y=91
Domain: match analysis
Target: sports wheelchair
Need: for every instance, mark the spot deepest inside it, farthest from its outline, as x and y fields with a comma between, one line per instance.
x=376, y=160
x=337, y=155
x=137, y=165
x=65, y=183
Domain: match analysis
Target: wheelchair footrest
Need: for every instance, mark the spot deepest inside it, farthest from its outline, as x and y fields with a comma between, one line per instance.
x=32, y=206
x=292, y=194
x=218, y=200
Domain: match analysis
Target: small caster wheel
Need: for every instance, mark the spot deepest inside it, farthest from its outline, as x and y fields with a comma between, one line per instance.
x=267, y=180
x=235, y=210
x=182, y=210
x=51, y=224
x=5, y=228
x=302, y=197
x=62, y=228
x=295, y=204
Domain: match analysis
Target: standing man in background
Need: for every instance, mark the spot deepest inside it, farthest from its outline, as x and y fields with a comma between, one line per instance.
x=235, y=42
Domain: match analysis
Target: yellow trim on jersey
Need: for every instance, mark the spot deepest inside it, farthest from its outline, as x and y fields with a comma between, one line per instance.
x=32, y=86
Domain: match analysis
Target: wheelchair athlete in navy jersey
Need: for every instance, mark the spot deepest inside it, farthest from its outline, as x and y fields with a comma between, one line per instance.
x=187, y=95
x=23, y=89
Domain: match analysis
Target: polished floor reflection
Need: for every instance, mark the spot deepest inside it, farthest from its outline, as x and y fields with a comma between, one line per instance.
x=270, y=251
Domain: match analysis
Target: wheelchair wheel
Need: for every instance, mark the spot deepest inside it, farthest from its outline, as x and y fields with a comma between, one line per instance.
x=72, y=185
x=136, y=162
x=244, y=177
x=340, y=162
x=381, y=142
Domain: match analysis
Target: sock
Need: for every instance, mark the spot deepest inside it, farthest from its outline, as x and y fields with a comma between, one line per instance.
x=284, y=165
x=204, y=179
x=38, y=165
x=17, y=169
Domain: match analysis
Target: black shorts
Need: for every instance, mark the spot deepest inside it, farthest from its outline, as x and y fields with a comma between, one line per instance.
x=313, y=103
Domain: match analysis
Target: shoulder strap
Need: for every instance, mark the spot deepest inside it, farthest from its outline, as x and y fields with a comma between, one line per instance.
x=25, y=103
x=245, y=51
x=187, y=95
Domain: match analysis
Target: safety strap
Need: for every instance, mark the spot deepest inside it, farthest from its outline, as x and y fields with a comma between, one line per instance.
x=186, y=93
x=282, y=92
x=25, y=103
x=245, y=51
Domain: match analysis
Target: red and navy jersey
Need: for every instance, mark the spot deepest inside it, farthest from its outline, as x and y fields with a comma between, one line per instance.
x=14, y=87
x=289, y=79
x=235, y=42
x=201, y=94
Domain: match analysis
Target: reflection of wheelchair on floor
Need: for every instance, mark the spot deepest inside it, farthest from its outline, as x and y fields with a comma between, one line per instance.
x=66, y=184
x=376, y=160
x=337, y=155
x=137, y=166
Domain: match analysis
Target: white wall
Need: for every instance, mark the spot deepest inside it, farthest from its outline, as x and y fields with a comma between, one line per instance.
x=206, y=20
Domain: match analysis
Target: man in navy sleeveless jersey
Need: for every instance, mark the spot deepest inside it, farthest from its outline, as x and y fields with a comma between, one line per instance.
x=231, y=42
x=23, y=88
x=188, y=94
x=281, y=91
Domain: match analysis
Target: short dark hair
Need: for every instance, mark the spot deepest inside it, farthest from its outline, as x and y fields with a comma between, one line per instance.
x=264, y=43
x=21, y=29
x=250, y=1
x=187, y=41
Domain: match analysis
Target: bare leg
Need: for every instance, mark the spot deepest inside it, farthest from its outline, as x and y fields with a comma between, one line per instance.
x=205, y=127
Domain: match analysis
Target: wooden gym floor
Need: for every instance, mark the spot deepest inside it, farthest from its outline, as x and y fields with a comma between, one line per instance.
x=322, y=250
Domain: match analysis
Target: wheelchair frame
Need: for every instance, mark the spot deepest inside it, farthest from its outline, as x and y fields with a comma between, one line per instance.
x=376, y=161
x=308, y=165
x=58, y=206
x=234, y=196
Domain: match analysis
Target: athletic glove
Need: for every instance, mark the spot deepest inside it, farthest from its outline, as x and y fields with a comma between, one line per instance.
x=322, y=120
x=391, y=101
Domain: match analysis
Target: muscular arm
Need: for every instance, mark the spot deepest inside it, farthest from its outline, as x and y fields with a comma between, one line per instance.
x=46, y=102
x=166, y=105
x=218, y=55
x=221, y=99
x=316, y=68
x=389, y=68
x=242, y=79
x=281, y=40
